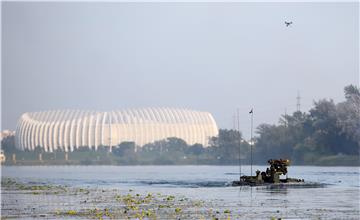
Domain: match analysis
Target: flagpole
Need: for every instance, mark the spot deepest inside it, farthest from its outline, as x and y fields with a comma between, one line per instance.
x=251, y=142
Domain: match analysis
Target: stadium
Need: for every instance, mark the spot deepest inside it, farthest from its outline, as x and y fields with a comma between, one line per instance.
x=67, y=130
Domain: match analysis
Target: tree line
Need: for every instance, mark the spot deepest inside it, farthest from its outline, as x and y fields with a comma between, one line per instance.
x=328, y=133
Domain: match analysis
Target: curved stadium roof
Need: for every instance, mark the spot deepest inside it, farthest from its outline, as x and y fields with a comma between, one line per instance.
x=70, y=129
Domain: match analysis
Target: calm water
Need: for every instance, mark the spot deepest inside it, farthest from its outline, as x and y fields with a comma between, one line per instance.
x=338, y=198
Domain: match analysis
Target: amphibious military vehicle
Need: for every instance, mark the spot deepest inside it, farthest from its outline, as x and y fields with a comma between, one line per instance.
x=270, y=176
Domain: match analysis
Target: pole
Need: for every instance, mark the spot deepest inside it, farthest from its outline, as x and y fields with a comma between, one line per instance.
x=251, y=142
x=234, y=119
x=238, y=128
x=110, y=150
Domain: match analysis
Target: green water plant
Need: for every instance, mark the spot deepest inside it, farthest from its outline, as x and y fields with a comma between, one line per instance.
x=178, y=210
x=71, y=212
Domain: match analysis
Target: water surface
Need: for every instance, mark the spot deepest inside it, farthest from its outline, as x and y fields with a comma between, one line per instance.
x=337, y=198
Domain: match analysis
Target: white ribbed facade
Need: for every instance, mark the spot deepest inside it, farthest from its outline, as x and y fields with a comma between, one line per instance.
x=70, y=129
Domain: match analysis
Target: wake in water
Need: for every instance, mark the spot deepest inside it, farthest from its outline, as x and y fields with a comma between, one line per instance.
x=172, y=183
x=153, y=183
x=187, y=184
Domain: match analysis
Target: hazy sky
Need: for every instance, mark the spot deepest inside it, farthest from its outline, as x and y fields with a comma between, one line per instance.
x=212, y=57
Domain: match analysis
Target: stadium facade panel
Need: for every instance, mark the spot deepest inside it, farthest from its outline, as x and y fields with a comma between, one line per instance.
x=70, y=129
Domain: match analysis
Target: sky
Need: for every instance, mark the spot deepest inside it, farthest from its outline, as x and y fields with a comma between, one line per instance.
x=215, y=57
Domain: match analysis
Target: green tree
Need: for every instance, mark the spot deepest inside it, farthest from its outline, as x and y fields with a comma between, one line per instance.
x=348, y=114
x=226, y=146
x=174, y=144
x=273, y=142
x=8, y=145
x=328, y=129
x=195, y=149
x=124, y=149
x=326, y=132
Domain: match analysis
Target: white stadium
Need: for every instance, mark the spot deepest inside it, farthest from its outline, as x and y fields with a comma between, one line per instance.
x=70, y=129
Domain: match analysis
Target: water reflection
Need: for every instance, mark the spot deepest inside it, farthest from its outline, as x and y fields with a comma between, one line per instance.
x=274, y=190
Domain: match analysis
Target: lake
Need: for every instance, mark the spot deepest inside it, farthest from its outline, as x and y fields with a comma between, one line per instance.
x=337, y=197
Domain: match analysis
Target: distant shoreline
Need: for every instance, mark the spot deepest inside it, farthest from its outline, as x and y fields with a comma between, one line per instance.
x=129, y=159
x=121, y=165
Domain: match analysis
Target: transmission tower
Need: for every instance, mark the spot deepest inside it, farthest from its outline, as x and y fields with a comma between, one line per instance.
x=234, y=122
x=298, y=101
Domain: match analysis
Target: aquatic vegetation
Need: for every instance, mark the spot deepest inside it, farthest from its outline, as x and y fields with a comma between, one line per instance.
x=133, y=207
x=149, y=213
x=118, y=198
x=106, y=212
x=162, y=206
x=129, y=199
x=87, y=213
x=71, y=212
x=7, y=182
x=34, y=189
x=99, y=214
x=138, y=216
x=197, y=203
x=149, y=195
x=115, y=204
x=85, y=191
x=274, y=218
x=170, y=198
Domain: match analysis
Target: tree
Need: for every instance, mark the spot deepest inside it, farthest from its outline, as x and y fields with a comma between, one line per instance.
x=174, y=144
x=124, y=149
x=349, y=113
x=8, y=144
x=352, y=93
x=326, y=132
x=226, y=146
x=273, y=142
x=328, y=129
x=195, y=149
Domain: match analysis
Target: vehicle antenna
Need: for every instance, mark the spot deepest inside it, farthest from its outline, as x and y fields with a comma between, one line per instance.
x=238, y=128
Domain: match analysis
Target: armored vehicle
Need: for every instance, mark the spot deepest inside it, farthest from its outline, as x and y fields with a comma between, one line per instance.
x=270, y=176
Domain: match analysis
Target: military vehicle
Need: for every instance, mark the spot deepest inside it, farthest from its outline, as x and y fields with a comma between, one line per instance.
x=270, y=176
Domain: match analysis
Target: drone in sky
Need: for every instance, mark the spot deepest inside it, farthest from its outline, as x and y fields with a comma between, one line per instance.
x=288, y=23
